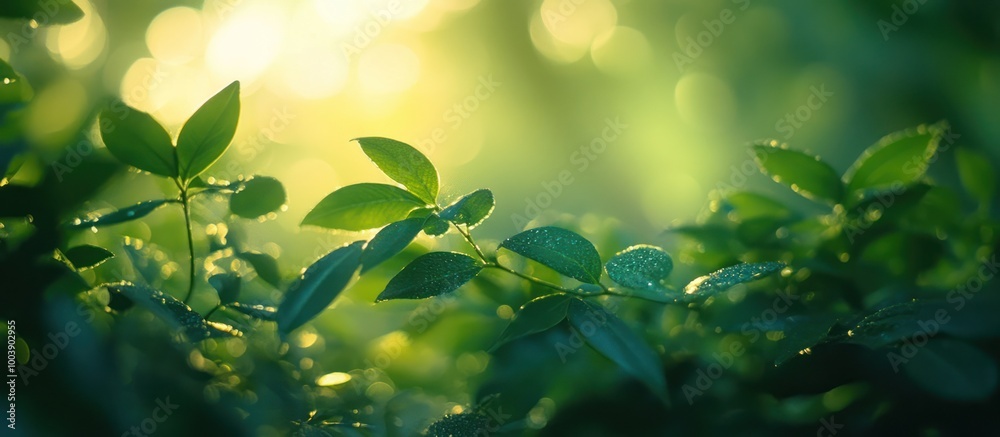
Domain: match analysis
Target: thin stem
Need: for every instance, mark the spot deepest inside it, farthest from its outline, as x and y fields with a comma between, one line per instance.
x=186, y=204
x=468, y=237
x=532, y=279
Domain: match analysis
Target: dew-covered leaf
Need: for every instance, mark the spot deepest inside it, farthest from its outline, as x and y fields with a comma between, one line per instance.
x=318, y=286
x=536, y=316
x=723, y=279
x=899, y=158
x=207, y=134
x=258, y=196
x=260, y=312
x=164, y=306
x=471, y=209
x=87, y=256
x=561, y=250
x=640, y=267
x=610, y=336
x=362, y=206
x=404, y=164
x=129, y=213
x=430, y=275
x=227, y=285
x=222, y=330
x=390, y=241
x=460, y=425
x=806, y=174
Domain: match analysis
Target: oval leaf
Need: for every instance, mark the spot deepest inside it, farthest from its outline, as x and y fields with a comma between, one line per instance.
x=164, y=306
x=561, y=250
x=953, y=370
x=130, y=213
x=136, y=139
x=606, y=333
x=390, y=241
x=456, y=425
x=227, y=285
x=536, y=316
x=404, y=164
x=471, y=209
x=640, y=267
x=977, y=173
x=87, y=256
x=434, y=226
x=362, y=206
x=207, y=134
x=265, y=265
x=722, y=279
x=805, y=174
x=258, y=196
x=431, y=274
x=898, y=158
x=318, y=286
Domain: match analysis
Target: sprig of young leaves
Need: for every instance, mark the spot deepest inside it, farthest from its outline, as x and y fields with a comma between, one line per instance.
x=404, y=211
x=136, y=139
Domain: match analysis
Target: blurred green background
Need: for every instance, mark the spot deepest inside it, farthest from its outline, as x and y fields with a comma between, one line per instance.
x=627, y=114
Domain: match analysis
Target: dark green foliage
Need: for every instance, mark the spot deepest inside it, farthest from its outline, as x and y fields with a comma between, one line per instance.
x=257, y=196
x=430, y=275
x=87, y=256
x=559, y=249
x=312, y=292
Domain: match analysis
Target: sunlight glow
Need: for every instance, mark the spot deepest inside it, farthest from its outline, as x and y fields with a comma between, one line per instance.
x=175, y=36
x=80, y=43
x=246, y=44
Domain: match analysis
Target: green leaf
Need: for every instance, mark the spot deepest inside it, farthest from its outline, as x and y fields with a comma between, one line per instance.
x=207, y=134
x=977, y=173
x=164, y=306
x=952, y=370
x=748, y=206
x=14, y=89
x=64, y=11
x=404, y=164
x=640, y=267
x=563, y=251
x=609, y=335
x=227, y=285
x=318, y=286
x=130, y=213
x=805, y=174
x=221, y=330
x=260, y=312
x=431, y=274
x=538, y=315
x=721, y=280
x=390, y=241
x=258, y=196
x=471, y=209
x=900, y=158
x=136, y=139
x=460, y=425
x=87, y=257
x=265, y=266
x=362, y=206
